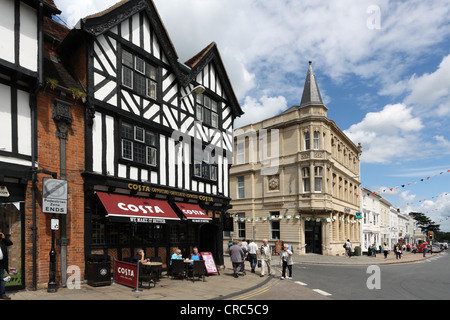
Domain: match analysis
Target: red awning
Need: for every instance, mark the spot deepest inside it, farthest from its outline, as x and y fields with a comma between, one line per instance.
x=137, y=209
x=192, y=211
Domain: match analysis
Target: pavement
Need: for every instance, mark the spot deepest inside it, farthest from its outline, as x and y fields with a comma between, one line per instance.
x=215, y=287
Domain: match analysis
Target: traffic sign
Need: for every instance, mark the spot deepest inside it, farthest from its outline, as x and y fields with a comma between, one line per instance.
x=54, y=196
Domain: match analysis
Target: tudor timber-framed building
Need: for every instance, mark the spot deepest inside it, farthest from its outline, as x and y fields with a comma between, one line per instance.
x=295, y=178
x=158, y=150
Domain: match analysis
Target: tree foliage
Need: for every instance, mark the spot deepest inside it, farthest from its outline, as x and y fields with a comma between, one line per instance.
x=424, y=223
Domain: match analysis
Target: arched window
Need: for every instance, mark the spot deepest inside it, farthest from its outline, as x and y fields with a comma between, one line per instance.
x=306, y=185
x=307, y=141
x=316, y=140
x=318, y=179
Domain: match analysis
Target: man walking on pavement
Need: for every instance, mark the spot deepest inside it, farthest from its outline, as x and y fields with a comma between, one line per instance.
x=237, y=257
x=266, y=258
x=252, y=254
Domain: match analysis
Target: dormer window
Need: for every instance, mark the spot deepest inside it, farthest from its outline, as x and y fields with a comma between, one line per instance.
x=138, y=75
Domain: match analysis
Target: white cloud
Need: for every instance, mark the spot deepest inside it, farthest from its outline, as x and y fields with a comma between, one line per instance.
x=73, y=11
x=266, y=46
x=257, y=110
x=388, y=135
x=437, y=209
x=431, y=90
x=443, y=144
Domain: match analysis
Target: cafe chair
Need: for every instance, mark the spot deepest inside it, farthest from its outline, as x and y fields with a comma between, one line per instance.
x=178, y=269
x=147, y=275
x=198, y=270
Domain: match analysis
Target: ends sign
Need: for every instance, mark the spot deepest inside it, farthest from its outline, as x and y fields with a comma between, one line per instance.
x=54, y=196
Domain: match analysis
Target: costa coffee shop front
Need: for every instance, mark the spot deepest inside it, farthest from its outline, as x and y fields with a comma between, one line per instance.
x=123, y=217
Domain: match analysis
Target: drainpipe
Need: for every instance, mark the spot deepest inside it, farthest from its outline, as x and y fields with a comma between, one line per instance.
x=33, y=106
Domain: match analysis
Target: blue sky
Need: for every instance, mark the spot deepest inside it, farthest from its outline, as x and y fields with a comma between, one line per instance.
x=383, y=68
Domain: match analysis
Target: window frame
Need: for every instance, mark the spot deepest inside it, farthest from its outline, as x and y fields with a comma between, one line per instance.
x=140, y=68
x=307, y=139
x=240, y=187
x=201, y=167
x=207, y=112
x=272, y=222
x=146, y=144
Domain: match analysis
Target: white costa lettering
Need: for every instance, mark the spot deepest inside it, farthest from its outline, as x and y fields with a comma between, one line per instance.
x=193, y=212
x=141, y=208
x=125, y=271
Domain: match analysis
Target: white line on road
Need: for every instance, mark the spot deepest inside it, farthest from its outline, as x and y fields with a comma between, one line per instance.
x=301, y=283
x=322, y=292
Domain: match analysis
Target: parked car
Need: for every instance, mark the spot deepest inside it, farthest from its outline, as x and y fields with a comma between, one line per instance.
x=436, y=248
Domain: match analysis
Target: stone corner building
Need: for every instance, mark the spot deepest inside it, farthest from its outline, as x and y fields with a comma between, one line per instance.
x=296, y=179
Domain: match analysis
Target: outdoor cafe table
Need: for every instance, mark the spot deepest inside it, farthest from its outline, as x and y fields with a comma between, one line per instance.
x=187, y=265
x=152, y=265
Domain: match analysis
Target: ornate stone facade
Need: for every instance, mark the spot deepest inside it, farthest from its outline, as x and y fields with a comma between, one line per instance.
x=311, y=196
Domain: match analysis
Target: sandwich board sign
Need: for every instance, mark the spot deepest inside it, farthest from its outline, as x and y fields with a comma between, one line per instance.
x=54, y=196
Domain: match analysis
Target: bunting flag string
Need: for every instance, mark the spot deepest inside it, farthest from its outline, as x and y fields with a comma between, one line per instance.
x=423, y=200
x=408, y=184
x=415, y=182
x=294, y=218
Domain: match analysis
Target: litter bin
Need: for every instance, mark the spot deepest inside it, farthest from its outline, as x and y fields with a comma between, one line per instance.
x=357, y=251
x=98, y=270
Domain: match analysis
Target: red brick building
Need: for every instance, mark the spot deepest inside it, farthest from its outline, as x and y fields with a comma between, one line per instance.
x=60, y=121
x=42, y=127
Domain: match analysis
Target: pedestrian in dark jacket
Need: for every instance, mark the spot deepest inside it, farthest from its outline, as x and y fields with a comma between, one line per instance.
x=4, y=243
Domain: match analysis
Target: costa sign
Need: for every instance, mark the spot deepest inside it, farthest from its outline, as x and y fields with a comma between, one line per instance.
x=137, y=209
x=193, y=212
x=125, y=273
x=140, y=208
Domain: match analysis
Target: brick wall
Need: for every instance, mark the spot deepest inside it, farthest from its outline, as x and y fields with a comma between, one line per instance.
x=49, y=159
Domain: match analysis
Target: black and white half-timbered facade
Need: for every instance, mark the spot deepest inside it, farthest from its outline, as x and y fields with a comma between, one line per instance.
x=21, y=76
x=158, y=136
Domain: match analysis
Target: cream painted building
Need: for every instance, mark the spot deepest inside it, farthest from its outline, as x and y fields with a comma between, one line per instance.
x=296, y=179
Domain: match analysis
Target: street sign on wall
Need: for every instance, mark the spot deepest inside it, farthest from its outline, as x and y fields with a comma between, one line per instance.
x=54, y=196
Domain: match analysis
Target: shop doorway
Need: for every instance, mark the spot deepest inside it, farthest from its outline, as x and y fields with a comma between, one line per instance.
x=11, y=221
x=209, y=241
x=313, y=236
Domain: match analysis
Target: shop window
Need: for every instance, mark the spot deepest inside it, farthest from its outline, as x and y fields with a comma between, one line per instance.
x=11, y=226
x=206, y=110
x=139, y=75
x=98, y=233
x=138, y=145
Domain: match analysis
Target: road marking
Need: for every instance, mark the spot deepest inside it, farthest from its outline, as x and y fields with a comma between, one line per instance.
x=301, y=283
x=322, y=292
x=258, y=292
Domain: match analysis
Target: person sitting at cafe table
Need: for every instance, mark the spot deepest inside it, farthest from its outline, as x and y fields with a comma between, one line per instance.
x=195, y=255
x=176, y=256
x=139, y=257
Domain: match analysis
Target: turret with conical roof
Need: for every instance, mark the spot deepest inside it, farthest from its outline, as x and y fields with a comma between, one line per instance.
x=311, y=93
x=311, y=103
